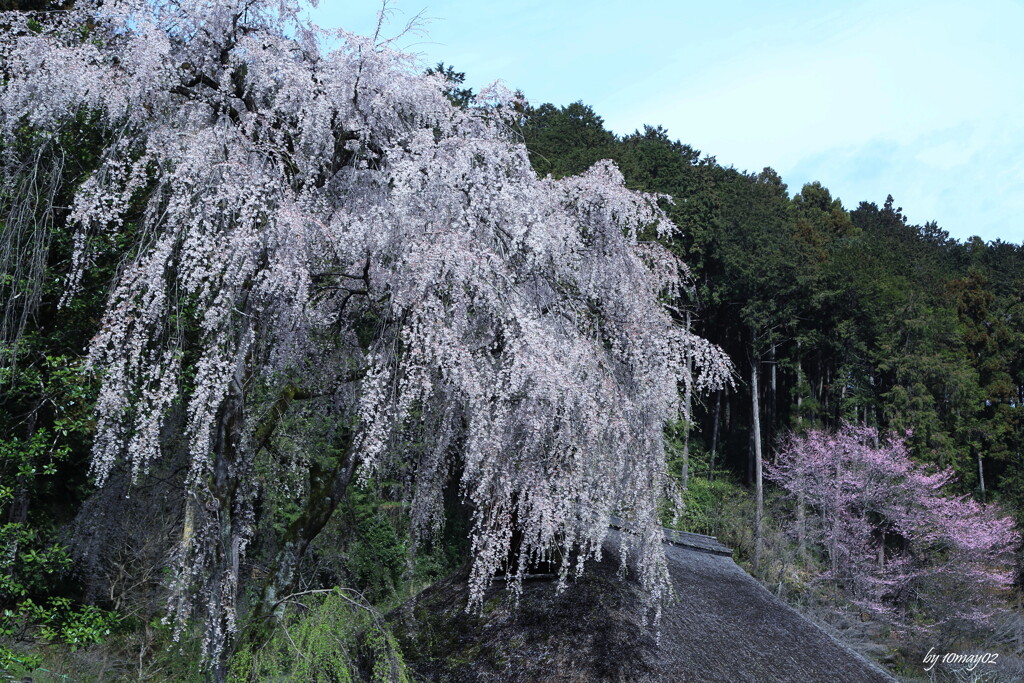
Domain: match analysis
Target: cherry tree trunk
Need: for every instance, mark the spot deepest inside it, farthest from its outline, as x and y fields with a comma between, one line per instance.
x=228, y=509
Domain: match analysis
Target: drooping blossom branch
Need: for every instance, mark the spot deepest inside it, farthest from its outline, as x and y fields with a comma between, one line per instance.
x=305, y=215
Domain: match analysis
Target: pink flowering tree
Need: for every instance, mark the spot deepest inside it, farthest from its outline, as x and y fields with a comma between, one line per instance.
x=893, y=542
x=325, y=231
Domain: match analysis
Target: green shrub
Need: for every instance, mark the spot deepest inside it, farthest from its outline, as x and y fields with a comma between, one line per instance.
x=376, y=558
x=324, y=636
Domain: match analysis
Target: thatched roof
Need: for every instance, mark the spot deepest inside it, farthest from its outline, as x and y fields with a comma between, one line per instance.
x=724, y=627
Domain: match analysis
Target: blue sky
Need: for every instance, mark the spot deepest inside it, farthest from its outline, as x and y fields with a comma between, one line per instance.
x=921, y=100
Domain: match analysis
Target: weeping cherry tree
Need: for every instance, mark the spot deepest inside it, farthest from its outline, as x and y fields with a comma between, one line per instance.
x=324, y=225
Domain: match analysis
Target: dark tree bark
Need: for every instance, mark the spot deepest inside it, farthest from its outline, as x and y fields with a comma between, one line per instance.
x=756, y=437
x=714, y=433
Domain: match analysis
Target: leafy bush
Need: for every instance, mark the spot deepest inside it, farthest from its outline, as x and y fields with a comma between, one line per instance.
x=330, y=635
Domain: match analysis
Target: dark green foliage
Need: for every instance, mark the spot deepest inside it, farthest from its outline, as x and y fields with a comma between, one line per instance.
x=460, y=97
x=376, y=559
x=851, y=315
x=46, y=398
x=567, y=140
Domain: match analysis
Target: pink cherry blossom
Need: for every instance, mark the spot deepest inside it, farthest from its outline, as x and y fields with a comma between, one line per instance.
x=329, y=218
x=892, y=538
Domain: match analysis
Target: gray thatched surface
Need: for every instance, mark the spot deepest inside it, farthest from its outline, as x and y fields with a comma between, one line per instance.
x=724, y=627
